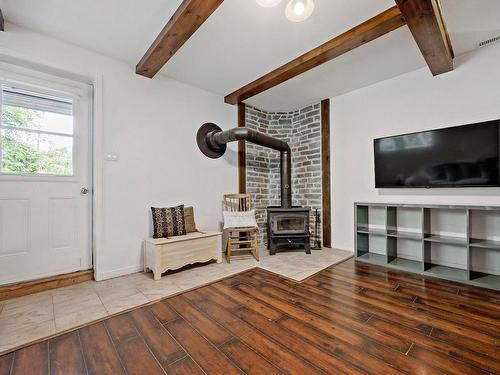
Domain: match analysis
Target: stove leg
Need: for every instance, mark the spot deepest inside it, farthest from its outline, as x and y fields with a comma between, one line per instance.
x=272, y=247
x=307, y=247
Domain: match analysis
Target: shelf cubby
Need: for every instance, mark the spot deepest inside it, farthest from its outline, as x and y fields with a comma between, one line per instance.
x=446, y=272
x=405, y=234
x=485, y=280
x=484, y=248
x=444, y=241
x=370, y=234
x=452, y=240
x=373, y=231
x=373, y=258
x=406, y=264
x=403, y=227
x=484, y=261
x=486, y=244
x=435, y=265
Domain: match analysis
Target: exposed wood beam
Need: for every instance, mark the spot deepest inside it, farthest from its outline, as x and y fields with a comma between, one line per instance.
x=2, y=23
x=369, y=30
x=428, y=28
x=186, y=20
x=242, y=153
x=325, y=168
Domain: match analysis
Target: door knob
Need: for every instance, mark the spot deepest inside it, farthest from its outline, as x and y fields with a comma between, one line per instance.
x=84, y=191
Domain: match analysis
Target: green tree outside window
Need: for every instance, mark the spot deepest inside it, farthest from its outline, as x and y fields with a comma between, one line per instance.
x=22, y=157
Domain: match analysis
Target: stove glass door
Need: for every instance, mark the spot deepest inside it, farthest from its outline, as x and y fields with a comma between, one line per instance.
x=289, y=224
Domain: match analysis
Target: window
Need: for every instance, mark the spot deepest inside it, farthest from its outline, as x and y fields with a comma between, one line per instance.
x=36, y=133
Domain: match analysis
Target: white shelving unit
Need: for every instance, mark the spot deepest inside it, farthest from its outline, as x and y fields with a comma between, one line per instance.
x=423, y=238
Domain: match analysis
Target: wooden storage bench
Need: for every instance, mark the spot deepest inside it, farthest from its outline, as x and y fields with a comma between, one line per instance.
x=162, y=254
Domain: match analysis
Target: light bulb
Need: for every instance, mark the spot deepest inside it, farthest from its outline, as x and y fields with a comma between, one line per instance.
x=299, y=10
x=268, y=3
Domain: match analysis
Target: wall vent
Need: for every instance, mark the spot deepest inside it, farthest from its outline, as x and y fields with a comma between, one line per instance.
x=489, y=41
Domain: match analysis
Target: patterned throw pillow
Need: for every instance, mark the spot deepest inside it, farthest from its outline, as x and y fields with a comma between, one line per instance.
x=168, y=221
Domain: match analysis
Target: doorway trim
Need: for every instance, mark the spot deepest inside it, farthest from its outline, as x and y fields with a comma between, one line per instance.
x=15, y=58
x=97, y=176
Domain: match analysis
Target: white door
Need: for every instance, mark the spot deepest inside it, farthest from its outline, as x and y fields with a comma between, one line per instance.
x=45, y=177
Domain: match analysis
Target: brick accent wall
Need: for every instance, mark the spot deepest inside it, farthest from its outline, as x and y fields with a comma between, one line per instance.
x=302, y=130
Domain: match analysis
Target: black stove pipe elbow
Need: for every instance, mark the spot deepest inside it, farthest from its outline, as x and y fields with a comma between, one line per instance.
x=212, y=142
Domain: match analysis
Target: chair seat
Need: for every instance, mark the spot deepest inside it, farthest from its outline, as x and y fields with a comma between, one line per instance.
x=242, y=229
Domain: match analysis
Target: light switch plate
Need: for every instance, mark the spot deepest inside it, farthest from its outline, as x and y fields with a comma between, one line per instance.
x=111, y=156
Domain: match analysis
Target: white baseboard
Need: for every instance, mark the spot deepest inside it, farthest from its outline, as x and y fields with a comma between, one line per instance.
x=121, y=271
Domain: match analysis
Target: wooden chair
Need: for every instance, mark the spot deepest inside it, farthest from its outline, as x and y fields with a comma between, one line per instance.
x=242, y=239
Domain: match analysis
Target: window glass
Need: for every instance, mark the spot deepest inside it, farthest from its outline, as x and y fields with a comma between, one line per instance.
x=36, y=134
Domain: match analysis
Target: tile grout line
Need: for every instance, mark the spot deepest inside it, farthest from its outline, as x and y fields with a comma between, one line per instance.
x=81, y=351
x=192, y=359
x=131, y=321
x=53, y=312
x=48, y=356
x=173, y=338
x=411, y=346
x=103, y=305
x=12, y=363
x=114, y=347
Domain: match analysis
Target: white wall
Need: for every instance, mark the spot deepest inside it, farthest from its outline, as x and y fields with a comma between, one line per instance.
x=151, y=125
x=411, y=102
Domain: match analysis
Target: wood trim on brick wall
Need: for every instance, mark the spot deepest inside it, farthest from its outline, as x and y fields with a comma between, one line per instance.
x=242, y=154
x=39, y=285
x=325, y=166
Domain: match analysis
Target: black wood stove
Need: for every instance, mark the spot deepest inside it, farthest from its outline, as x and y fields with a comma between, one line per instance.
x=288, y=227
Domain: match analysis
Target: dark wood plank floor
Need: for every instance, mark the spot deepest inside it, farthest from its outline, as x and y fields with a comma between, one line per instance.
x=349, y=319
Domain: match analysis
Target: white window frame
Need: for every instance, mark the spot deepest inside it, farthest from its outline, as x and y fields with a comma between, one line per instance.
x=51, y=88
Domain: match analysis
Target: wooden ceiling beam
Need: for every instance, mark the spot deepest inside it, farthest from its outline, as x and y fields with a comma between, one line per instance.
x=369, y=30
x=428, y=28
x=190, y=15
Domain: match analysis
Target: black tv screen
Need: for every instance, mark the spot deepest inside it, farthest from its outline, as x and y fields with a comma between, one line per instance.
x=461, y=156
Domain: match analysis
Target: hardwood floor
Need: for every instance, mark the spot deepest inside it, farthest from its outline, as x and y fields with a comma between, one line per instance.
x=352, y=318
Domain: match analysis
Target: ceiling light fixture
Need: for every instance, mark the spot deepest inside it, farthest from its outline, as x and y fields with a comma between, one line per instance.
x=268, y=3
x=299, y=10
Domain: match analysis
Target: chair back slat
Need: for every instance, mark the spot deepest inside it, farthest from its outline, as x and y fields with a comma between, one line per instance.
x=238, y=202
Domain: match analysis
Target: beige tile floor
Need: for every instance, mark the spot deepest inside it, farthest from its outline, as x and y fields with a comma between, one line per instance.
x=29, y=318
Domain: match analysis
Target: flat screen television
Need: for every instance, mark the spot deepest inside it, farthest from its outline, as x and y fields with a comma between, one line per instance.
x=460, y=156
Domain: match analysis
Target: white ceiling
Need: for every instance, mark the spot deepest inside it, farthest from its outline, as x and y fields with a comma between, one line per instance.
x=242, y=41
x=470, y=22
x=123, y=29
x=386, y=57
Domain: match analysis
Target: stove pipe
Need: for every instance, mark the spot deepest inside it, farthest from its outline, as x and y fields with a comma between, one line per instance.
x=212, y=142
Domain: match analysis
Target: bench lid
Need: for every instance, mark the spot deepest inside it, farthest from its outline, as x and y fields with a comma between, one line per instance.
x=187, y=237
